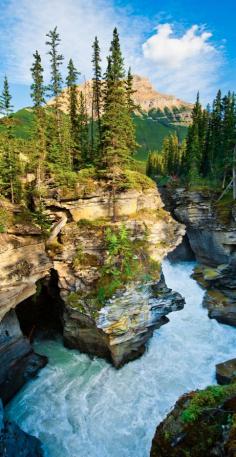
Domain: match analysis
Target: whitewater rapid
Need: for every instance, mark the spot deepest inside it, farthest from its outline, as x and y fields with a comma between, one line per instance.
x=85, y=408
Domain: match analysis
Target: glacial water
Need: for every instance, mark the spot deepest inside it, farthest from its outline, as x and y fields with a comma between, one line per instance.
x=85, y=408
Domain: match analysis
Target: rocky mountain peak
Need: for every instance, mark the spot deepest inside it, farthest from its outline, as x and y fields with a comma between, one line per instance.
x=145, y=96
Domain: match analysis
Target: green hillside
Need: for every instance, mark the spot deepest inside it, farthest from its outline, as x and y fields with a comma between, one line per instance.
x=151, y=129
x=23, y=123
x=151, y=133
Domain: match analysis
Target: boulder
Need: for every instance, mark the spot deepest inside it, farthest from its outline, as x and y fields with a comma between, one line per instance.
x=226, y=372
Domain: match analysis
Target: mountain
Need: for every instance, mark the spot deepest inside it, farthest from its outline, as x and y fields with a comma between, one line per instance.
x=145, y=96
x=159, y=116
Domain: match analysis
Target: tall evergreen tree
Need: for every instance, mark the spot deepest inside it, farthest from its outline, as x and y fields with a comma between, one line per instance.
x=71, y=81
x=228, y=136
x=193, y=157
x=6, y=107
x=83, y=131
x=130, y=92
x=215, y=146
x=118, y=138
x=10, y=155
x=38, y=96
x=97, y=94
x=55, y=87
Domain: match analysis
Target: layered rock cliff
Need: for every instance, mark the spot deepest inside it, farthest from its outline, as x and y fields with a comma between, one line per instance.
x=211, y=234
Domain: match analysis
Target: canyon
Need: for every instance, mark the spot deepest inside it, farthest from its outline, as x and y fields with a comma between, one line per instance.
x=64, y=272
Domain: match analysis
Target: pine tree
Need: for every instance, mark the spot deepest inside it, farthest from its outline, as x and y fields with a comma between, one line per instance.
x=10, y=157
x=116, y=120
x=97, y=96
x=71, y=81
x=215, y=146
x=83, y=131
x=38, y=96
x=118, y=138
x=193, y=156
x=6, y=108
x=55, y=87
x=228, y=136
x=130, y=93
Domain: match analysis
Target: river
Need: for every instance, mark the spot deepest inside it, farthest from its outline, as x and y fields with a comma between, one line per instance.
x=80, y=407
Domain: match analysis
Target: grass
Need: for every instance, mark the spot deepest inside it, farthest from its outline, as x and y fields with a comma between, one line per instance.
x=135, y=180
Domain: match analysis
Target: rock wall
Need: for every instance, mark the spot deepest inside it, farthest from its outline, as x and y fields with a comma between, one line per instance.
x=211, y=231
x=18, y=361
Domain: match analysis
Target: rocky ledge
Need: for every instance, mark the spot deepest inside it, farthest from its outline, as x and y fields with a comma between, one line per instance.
x=211, y=237
x=226, y=372
x=202, y=423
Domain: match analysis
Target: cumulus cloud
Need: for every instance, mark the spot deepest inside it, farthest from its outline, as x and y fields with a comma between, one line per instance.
x=176, y=64
x=24, y=24
x=183, y=64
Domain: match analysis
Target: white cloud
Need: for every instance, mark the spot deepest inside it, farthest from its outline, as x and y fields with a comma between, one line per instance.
x=178, y=65
x=78, y=22
x=182, y=65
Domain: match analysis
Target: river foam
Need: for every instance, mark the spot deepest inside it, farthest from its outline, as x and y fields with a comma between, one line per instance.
x=85, y=408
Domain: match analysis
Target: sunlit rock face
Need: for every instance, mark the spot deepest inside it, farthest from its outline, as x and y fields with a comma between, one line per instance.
x=211, y=231
x=119, y=327
x=144, y=96
x=123, y=326
x=23, y=261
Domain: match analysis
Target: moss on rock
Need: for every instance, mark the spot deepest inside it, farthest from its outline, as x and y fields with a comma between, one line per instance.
x=201, y=424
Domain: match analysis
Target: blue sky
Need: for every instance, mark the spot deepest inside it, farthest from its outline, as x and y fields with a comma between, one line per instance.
x=182, y=46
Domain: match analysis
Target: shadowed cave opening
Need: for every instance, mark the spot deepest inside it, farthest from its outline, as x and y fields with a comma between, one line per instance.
x=183, y=252
x=42, y=313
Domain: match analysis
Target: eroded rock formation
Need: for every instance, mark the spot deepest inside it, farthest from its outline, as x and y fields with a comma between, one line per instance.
x=117, y=325
x=211, y=232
